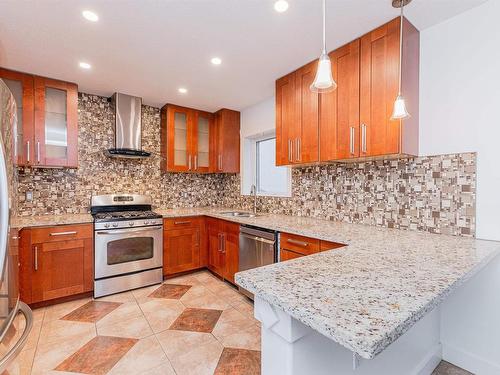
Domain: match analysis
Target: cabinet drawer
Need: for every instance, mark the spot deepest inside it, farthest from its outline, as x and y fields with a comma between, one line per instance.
x=299, y=244
x=182, y=222
x=61, y=233
x=327, y=245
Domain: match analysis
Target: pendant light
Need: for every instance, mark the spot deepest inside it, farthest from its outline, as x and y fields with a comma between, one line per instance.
x=399, y=111
x=323, y=82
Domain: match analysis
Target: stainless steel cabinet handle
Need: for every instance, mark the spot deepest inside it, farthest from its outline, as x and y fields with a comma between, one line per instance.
x=127, y=231
x=363, y=138
x=220, y=243
x=351, y=140
x=297, y=149
x=220, y=162
x=181, y=222
x=18, y=346
x=38, y=152
x=16, y=237
x=36, y=257
x=223, y=236
x=28, y=152
x=189, y=162
x=195, y=162
x=63, y=233
x=290, y=151
x=259, y=239
x=295, y=242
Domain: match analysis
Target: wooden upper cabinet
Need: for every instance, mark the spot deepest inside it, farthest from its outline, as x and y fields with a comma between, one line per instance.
x=200, y=142
x=353, y=120
x=339, y=109
x=297, y=118
x=56, y=123
x=21, y=86
x=286, y=119
x=307, y=141
x=379, y=78
x=227, y=141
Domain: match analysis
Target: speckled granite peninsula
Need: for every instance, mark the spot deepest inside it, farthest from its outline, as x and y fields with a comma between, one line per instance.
x=367, y=294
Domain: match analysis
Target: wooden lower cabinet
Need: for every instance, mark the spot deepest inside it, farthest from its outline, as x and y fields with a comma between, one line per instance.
x=294, y=246
x=184, y=245
x=56, y=262
x=223, y=247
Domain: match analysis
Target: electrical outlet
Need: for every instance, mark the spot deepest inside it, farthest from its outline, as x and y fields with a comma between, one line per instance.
x=29, y=196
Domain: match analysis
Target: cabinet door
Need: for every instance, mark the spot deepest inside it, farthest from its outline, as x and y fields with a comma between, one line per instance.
x=21, y=86
x=56, y=123
x=230, y=250
x=215, y=254
x=306, y=141
x=179, y=139
x=61, y=268
x=339, y=109
x=286, y=254
x=286, y=119
x=378, y=89
x=228, y=141
x=203, y=130
x=181, y=250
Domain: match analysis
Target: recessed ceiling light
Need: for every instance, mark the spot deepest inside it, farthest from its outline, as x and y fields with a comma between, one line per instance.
x=84, y=65
x=182, y=90
x=89, y=15
x=216, y=60
x=281, y=6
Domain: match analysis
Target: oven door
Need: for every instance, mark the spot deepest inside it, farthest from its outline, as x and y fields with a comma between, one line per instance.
x=120, y=251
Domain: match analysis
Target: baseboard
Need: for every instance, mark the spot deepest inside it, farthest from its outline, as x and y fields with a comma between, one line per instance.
x=430, y=361
x=469, y=361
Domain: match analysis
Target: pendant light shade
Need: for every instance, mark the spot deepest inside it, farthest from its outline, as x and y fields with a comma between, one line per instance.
x=399, y=111
x=323, y=82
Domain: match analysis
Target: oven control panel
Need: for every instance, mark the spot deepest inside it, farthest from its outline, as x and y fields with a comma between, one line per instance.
x=127, y=224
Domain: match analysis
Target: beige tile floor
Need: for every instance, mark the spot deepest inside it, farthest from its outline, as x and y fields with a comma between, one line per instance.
x=193, y=324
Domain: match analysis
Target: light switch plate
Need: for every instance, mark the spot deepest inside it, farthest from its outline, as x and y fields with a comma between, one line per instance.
x=29, y=196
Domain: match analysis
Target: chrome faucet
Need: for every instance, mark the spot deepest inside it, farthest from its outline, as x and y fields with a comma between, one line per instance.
x=253, y=191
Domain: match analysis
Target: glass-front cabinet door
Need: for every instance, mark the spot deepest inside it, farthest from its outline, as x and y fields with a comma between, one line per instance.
x=56, y=129
x=21, y=86
x=202, y=136
x=179, y=133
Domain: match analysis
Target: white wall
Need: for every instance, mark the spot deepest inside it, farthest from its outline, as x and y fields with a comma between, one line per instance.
x=459, y=111
x=460, y=100
x=256, y=121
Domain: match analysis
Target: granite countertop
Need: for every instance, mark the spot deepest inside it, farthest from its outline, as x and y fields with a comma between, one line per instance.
x=362, y=296
x=49, y=220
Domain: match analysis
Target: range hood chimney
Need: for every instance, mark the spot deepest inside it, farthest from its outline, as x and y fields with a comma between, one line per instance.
x=128, y=127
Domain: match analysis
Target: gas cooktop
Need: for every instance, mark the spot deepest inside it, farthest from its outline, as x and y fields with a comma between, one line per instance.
x=125, y=215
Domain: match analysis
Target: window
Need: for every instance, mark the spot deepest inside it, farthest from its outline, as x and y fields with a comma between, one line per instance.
x=270, y=179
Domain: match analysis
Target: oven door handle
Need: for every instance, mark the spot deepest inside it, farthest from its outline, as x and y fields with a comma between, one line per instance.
x=130, y=230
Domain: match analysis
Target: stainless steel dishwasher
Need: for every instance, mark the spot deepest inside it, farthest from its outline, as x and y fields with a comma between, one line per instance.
x=258, y=247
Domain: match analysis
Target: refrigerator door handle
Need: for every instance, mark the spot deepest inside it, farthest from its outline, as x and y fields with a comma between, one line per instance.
x=4, y=208
x=16, y=349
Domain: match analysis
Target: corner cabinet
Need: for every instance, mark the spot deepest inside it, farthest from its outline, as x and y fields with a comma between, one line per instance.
x=196, y=141
x=353, y=122
x=47, y=127
x=223, y=248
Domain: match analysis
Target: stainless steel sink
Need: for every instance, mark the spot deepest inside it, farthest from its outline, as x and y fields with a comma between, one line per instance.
x=238, y=214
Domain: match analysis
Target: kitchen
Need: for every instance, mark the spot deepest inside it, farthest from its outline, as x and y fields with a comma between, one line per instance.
x=145, y=189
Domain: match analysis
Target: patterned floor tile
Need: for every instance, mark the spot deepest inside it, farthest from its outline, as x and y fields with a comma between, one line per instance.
x=135, y=327
x=248, y=338
x=161, y=313
x=201, y=360
x=446, y=368
x=58, y=311
x=170, y=291
x=98, y=356
x=176, y=343
x=198, y=320
x=92, y=311
x=238, y=362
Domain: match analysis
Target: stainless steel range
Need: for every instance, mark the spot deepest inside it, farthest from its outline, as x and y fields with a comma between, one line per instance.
x=128, y=243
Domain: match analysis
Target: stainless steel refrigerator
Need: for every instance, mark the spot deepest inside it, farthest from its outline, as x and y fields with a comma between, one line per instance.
x=16, y=319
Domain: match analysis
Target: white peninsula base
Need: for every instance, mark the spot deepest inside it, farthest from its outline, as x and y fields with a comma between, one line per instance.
x=291, y=348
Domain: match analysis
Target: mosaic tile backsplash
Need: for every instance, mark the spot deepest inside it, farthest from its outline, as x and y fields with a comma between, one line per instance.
x=434, y=194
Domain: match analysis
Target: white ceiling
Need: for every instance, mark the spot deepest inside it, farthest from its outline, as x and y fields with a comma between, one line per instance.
x=149, y=48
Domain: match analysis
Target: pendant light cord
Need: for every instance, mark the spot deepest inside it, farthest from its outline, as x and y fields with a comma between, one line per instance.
x=324, y=26
x=401, y=45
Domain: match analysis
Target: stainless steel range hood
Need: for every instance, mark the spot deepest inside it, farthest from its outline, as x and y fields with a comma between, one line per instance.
x=128, y=127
